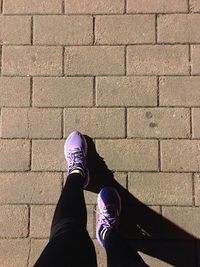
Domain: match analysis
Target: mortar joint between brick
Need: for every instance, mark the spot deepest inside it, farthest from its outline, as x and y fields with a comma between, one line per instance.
x=29, y=252
x=93, y=30
x=125, y=122
x=193, y=190
x=31, y=30
x=125, y=60
x=188, y=4
x=94, y=92
x=158, y=91
x=190, y=109
x=125, y=6
x=190, y=59
x=30, y=160
x=63, y=7
x=159, y=157
x=31, y=91
x=156, y=28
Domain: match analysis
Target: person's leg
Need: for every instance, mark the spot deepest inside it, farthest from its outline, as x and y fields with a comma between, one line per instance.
x=119, y=254
x=70, y=244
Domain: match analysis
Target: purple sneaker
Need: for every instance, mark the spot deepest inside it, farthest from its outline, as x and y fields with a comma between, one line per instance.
x=109, y=206
x=75, y=151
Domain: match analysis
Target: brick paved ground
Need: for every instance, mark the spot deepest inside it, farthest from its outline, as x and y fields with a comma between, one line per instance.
x=124, y=72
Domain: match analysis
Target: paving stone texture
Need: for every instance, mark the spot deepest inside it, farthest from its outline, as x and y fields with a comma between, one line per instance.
x=127, y=74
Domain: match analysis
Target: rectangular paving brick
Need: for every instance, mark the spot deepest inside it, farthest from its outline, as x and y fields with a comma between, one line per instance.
x=30, y=60
x=31, y=123
x=195, y=59
x=40, y=220
x=132, y=155
x=197, y=188
x=37, y=246
x=14, y=91
x=14, y=155
x=156, y=6
x=94, y=60
x=158, y=122
x=8, y=225
x=161, y=188
x=178, y=28
x=95, y=122
x=30, y=187
x=196, y=122
x=125, y=29
x=14, y=252
x=194, y=5
x=94, y=7
x=179, y=91
x=15, y=29
x=187, y=218
x=14, y=123
x=180, y=155
x=48, y=155
x=63, y=30
x=32, y=6
x=126, y=91
x=61, y=92
x=157, y=59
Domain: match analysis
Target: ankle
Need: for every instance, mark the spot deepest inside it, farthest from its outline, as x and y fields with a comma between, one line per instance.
x=81, y=172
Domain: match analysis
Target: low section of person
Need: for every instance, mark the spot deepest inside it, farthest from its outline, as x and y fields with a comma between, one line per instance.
x=70, y=244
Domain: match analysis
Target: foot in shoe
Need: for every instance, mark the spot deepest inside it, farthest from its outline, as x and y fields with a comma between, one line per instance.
x=75, y=150
x=109, y=208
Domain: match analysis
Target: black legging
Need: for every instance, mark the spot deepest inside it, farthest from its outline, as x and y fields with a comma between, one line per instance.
x=70, y=245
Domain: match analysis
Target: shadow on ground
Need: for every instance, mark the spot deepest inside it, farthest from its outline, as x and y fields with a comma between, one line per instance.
x=145, y=230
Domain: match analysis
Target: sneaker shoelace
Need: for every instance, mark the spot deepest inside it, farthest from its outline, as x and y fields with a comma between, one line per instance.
x=108, y=217
x=76, y=158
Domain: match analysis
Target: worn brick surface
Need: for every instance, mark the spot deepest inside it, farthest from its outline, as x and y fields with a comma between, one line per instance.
x=179, y=91
x=197, y=188
x=158, y=59
x=124, y=72
x=127, y=29
x=40, y=220
x=30, y=60
x=32, y=6
x=14, y=91
x=158, y=122
x=194, y=5
x=118, y=155
x=170, y=189
x=181, y=28
x=181, y=216
x=156, y=6
x=102, y=122
x=30, y=187
x=195, y=59
x=63, y=30
x=37, y=246
x=94, y=7
x=180, y=155
x=8, y=225
x=61, y=92
x=14, y=252
x=15, y=30
x=31, y=123
x=126, y=91
x=48, y=155
x=14, y=155
x=196, y=122
x=94, y=60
